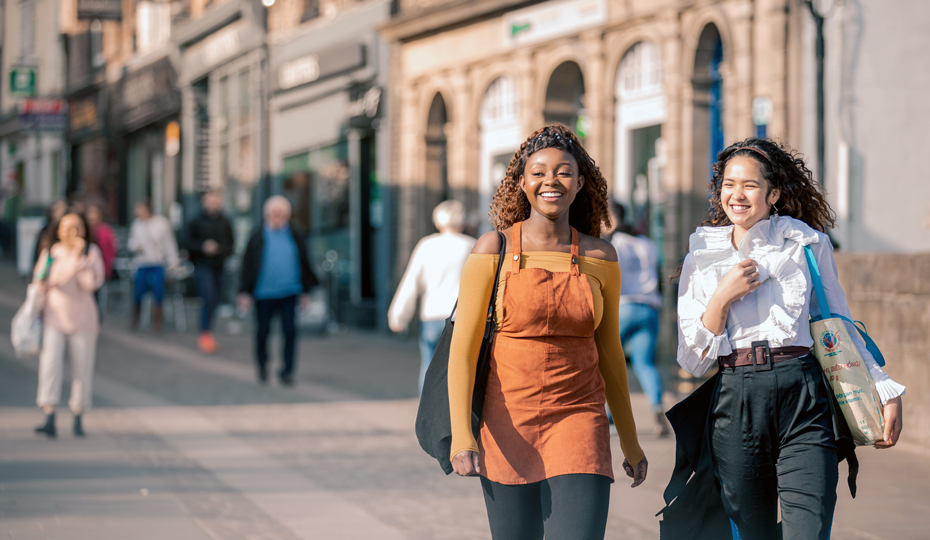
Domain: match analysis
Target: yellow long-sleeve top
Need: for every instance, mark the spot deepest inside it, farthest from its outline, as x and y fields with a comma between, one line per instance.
x=474, y=295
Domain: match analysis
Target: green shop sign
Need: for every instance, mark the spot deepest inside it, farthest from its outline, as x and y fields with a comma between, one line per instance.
x=23, y=81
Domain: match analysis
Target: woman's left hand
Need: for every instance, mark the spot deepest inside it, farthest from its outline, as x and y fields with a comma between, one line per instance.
x=894, y=421
x=636, y=472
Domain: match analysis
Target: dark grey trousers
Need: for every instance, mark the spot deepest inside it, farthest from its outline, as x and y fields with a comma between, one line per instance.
x=773, y=442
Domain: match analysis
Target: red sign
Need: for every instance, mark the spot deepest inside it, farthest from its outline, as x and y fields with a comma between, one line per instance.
x=36, y=106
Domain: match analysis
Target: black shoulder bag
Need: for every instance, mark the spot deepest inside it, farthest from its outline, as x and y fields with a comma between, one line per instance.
x=434, y=425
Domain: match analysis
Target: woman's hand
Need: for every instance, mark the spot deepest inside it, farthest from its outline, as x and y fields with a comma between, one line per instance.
x=76, y=245
x=741, y=280
x=466, y=463
x=636, y=472
x=894, y=421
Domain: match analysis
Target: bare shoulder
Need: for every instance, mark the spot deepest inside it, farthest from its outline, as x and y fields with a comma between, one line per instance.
x=596, y=248
x=488, y=244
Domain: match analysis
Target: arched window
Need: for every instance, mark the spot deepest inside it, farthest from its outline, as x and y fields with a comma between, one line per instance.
x=499, y=120
x=640, y=72
x=640, y=113
x=499, y=104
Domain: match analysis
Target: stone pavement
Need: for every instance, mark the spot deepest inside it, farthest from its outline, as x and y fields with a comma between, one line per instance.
x=187, y=446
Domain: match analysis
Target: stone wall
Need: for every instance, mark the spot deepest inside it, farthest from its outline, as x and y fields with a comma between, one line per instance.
x=891, y=295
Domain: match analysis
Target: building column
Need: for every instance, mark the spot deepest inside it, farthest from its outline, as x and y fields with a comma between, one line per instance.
x=595, y=108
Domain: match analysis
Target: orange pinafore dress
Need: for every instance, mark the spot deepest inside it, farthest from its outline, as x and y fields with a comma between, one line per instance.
x=544, y=412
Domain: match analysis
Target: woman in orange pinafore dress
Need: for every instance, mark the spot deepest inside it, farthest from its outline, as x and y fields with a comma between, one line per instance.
x=543, y=451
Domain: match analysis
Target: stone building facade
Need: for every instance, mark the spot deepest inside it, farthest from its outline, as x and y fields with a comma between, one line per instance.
x=654, y=88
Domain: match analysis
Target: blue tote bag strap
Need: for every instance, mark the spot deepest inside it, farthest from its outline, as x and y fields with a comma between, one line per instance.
x=817, y=283
x=825, y=309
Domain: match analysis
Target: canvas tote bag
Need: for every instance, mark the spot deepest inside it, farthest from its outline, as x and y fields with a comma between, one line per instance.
x=844, y=367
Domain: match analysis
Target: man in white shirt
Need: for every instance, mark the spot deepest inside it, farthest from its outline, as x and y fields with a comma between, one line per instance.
x=433, y=274
x=639, y=309
x=154, y=248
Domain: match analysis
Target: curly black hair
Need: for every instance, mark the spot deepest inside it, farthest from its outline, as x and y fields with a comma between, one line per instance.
x=783, y=168
x=590, y=207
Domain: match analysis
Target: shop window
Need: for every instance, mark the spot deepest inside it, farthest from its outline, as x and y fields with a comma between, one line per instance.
x=311, y=10
x=641, y=111
x=28, y=26
x=223, y=105
x=640, y=71
x=500, y=103
x=499, y=121
x=153, y=25
x=96, y=45
x=245, y=97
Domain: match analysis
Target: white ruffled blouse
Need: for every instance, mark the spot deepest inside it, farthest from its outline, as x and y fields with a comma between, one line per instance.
x=778, y=311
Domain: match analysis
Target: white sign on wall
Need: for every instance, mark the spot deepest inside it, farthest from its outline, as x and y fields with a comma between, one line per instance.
x=552, y=19
x=297, y=72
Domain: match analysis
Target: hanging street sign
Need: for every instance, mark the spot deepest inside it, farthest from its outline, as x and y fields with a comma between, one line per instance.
x=23, y=81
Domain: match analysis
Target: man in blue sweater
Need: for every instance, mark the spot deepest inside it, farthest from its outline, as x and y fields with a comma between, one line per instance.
x=275, y=272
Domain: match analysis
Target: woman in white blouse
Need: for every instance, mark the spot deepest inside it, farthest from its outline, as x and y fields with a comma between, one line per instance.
x=744, y=280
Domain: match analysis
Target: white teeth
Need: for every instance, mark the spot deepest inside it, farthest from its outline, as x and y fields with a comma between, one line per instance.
x=550, y=194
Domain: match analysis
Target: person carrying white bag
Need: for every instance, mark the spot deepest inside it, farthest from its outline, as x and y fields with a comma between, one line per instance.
x=70, y=318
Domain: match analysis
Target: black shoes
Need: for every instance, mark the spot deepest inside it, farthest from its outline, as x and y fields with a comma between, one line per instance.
x=287, y=380
x=78, y=428
x=48, y=428
x=262, y=374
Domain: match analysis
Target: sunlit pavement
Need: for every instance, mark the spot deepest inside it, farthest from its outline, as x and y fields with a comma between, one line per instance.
x=187, y=446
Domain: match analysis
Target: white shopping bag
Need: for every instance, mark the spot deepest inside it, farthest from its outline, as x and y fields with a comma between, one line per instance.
x=26, y=328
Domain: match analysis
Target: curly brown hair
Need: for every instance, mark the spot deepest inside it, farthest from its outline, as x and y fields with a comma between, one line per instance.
x=783, y=168
x=590, y=207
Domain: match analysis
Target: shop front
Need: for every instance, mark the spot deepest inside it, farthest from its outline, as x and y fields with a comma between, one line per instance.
x=328, y=154
x=221, y=81
x=93, y=165
x=145, y=116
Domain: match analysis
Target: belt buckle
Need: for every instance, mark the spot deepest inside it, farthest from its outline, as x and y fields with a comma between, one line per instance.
x=766, y=364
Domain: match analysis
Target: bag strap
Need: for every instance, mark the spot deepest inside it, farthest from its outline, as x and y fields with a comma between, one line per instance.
x=43, y=276
x=491, y=323
x=817, y=283
x=825, y=309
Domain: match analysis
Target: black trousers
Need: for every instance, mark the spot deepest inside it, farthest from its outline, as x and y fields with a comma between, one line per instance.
x=566, y=507
x=773, y=442
x=264, y=311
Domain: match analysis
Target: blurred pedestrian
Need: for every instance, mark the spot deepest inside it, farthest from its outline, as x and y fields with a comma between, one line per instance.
x=275, y=272
x=70, y=270
x=103, y=236
x=209, y=241
x=639, y=309
x=433, y=274
x=49, y=232
x=154, y=249
x=544, y=447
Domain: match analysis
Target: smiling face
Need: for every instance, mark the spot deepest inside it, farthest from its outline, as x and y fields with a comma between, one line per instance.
x=744, y=193
x=551, y=182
